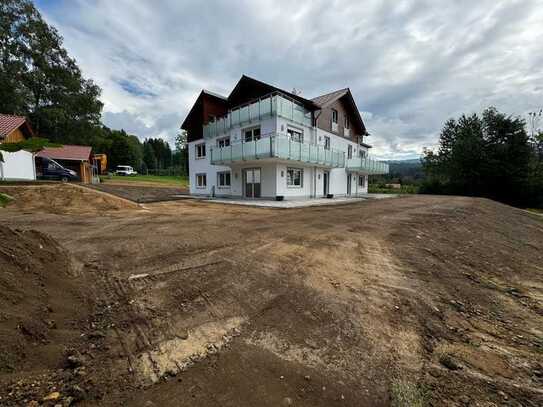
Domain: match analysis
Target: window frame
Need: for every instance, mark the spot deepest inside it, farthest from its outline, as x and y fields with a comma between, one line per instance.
x=224, y=140
x=349, y=151
x=301, y=172
x=252, y=130
x=362, y=178
x=197, y=148
x=346, y=122
x=327, y=142
x=224, y=174
x=336, y=114
x=294, y=130
x=204, y=175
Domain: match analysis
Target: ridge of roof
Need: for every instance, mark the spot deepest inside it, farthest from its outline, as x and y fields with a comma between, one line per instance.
x=211, y=93
x=327, y=98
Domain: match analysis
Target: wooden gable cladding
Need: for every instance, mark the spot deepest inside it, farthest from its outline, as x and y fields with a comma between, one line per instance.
x=206, y=107
x=324, y=119
x=15, y=136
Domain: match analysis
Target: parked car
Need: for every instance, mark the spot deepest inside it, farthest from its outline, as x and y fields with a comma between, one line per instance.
x=48, y=168
x=125, y=170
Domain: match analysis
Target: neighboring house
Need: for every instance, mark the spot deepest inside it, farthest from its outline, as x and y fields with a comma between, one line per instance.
x=14, y=128
x=76, y=158
x=18, y=165
x=264, y=142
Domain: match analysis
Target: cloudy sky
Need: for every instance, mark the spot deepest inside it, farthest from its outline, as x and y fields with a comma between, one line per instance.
x=409, y=64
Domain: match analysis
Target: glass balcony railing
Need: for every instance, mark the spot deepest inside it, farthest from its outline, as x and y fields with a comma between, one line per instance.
x=367, y=165
x=272, y=105
x=279, y=147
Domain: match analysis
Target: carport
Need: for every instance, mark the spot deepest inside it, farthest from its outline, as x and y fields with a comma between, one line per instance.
x=77, y=158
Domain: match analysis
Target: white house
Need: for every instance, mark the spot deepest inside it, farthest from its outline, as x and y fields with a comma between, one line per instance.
x=264, y=142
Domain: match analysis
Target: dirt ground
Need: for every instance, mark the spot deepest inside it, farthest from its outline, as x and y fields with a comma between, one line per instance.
x=141, y=192
x=412, y=301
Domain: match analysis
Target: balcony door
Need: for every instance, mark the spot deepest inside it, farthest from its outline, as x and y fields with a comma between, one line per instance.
x=251, y=183
x=326, y=183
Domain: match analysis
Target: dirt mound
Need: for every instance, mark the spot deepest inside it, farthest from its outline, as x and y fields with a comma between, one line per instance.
x=42, y=308
x=61, y=198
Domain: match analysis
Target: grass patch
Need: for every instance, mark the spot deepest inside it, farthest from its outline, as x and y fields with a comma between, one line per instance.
x=535, y=210
x=382, y=189
x=4, y=200
x=174, y=180
x=407, y=394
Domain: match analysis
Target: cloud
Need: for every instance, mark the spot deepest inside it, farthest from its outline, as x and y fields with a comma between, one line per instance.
x=410, y=64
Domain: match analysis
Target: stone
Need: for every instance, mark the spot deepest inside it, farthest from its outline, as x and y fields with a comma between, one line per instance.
x=52, y=396
x=287, y=401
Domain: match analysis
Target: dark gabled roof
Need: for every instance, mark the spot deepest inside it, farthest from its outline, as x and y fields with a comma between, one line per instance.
x=249, y=88
x=197, y=107
x=329, y=98
x=326, y=99
x=9, y=123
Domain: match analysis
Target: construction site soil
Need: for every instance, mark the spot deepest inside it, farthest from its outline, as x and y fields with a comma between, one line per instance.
x=412, y=301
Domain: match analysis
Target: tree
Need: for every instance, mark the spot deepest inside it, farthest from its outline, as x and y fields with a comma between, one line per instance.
x=489, y=155
x=40, y=80
x=149, y=157
x=181, y=155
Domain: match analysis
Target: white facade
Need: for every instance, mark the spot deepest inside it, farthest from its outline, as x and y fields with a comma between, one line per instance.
x=291, y=178
x=17, y=166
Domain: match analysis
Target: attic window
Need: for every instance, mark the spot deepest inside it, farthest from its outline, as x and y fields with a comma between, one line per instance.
x=334, y=116
x=347, y=124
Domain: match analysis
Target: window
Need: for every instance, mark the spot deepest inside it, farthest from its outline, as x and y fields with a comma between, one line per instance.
x=361, y=181
x=223, y=179
x=334, y=116
x=200, y=150
x=346, y=124
x=295, y=135
x=201, y=180
x=349, y=151
x=223, y=142
x=326, y=143
x=295, y=177
x=362, y=153
x=251, y=135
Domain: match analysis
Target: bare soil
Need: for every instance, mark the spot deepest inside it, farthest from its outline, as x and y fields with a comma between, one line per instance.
x=412, y=301
x=142, y=192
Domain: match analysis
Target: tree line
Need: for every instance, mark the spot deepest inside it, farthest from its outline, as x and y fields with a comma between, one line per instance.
x=39, y=80
x=489, y=155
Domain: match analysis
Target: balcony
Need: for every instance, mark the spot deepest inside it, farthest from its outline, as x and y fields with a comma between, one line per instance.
x=278, y=147
x=367, y=165
x=269, y=106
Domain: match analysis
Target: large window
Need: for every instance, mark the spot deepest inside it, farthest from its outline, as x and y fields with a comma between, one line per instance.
x=295, y=135
x=201, y=180
x=295, y=177
x=223, y=142
x=349, y=151
x=362, y=181
x=251, y=134
x=334, y=116
x=326, y=143
x=200, y=150
x=362, y=153
x=223, y=179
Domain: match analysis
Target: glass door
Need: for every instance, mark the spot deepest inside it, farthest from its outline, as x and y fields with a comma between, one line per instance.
x=251, y=182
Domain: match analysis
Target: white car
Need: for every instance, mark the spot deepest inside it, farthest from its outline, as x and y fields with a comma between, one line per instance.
x=125, y=170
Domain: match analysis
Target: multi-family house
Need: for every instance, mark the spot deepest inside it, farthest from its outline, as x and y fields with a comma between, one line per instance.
x=264, y=142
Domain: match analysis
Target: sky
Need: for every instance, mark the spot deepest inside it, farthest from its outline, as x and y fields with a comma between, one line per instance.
x=410, y=65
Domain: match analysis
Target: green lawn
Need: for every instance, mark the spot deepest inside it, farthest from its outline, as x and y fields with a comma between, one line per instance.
x=405, y=189
x=182, y=181
x=4, y=199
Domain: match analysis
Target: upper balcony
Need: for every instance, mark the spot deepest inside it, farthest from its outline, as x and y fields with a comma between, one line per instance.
x=367, y=165
x=278, y=147
x=275, y=104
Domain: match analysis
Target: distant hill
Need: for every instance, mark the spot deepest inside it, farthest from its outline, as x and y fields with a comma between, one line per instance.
x=406, y=170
